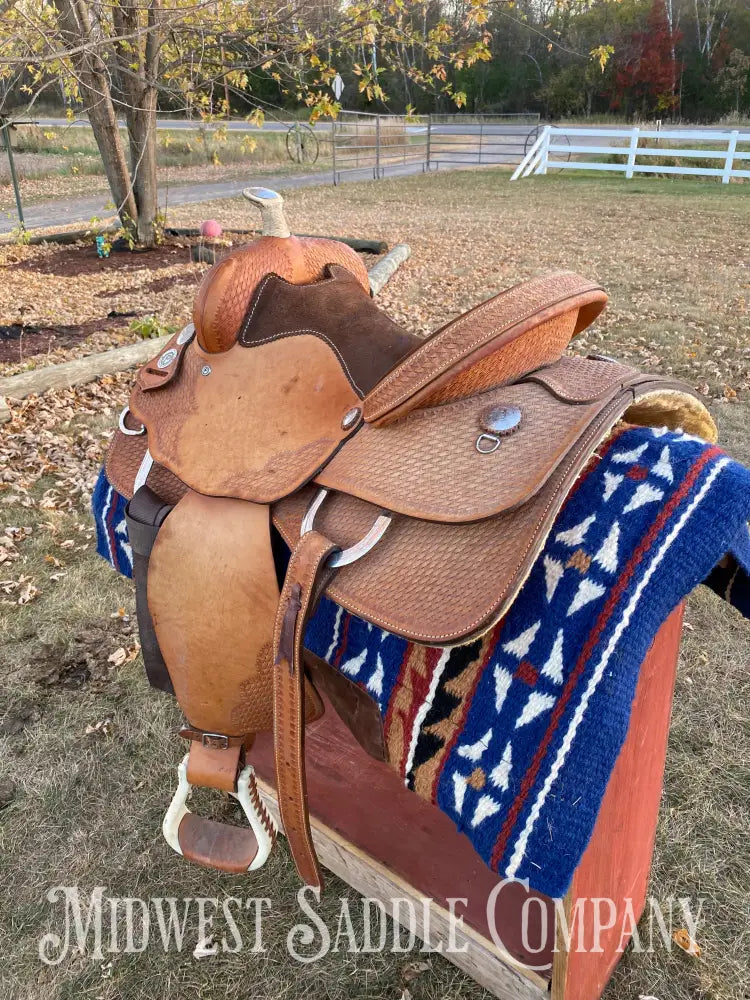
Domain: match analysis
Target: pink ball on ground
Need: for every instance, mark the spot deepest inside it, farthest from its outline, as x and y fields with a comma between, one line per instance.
x=210, y=228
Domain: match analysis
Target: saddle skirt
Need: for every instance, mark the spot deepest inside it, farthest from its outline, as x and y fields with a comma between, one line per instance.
x=413, y=481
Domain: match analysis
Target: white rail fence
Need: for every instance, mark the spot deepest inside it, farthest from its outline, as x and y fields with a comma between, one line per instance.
x=548, y=152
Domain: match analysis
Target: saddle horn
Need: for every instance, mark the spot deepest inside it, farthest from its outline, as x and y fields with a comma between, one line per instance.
x=271, y=206
x=228, y=289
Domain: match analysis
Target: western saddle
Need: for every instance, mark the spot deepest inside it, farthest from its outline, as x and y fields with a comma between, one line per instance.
x=413, y=481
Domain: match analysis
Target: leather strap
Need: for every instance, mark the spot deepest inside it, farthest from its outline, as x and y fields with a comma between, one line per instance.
x=305, y=580
x=144, y=516
x=218, y=741
x=210, y=767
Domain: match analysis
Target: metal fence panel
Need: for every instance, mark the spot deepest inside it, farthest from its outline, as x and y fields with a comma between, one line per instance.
x=378, y=144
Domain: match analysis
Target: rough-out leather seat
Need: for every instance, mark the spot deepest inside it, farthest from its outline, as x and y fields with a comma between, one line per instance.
x=414, y=482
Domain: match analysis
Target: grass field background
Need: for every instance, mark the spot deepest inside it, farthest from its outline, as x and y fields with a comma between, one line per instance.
x=87, y=751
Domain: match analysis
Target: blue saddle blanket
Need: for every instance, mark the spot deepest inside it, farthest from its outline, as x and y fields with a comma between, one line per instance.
x=514, y=736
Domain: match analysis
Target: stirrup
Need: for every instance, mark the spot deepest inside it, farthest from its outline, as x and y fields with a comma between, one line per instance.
x=261, y=821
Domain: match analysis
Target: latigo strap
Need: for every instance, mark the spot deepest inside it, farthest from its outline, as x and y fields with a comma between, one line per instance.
x=306, y=578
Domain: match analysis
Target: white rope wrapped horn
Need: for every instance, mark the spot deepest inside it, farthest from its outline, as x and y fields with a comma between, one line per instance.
x=271, y=206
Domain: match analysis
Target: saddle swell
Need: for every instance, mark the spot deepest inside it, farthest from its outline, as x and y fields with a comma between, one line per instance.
x=227, y=289
x=443, y=464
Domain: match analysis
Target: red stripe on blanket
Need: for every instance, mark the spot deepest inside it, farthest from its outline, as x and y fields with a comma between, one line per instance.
x=342, y=643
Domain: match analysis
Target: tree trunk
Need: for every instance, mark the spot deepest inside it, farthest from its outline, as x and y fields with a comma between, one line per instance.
x=93, y=80
x=139, y=89
x=142, y=133
x=107, y=135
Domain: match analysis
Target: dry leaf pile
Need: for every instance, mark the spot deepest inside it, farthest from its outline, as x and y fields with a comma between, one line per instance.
x=70, y=293
x=49, y=460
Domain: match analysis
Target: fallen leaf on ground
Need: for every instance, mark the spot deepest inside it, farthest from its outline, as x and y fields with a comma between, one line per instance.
x=415, y=969
x=683, y=940
x=103, y=728
x=28, y=593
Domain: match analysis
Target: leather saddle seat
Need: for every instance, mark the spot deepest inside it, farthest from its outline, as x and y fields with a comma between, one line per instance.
x=414, y=482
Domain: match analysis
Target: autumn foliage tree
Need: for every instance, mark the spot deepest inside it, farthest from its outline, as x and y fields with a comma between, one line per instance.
x=648, y=67
x=125, y=58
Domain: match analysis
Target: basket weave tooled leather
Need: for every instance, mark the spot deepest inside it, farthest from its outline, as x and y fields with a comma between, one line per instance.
x=445, y=463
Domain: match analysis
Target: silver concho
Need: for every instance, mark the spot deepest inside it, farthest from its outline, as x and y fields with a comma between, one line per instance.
x=496, y=422
x=500, y=420
x=167, y=358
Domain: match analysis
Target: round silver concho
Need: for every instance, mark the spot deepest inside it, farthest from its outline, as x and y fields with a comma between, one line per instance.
x=496, y=422
x=167, y=358
x=206, y=370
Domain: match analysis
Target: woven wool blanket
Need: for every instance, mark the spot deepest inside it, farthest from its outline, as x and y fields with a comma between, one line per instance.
x=514, y=736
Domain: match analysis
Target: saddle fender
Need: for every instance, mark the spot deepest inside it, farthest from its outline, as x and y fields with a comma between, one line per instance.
x=213, y=597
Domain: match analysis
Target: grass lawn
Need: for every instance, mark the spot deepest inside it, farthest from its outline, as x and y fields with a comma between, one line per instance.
x=88, y=759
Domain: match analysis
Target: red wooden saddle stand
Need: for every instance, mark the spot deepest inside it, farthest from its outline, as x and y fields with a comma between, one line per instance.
x=418, y=853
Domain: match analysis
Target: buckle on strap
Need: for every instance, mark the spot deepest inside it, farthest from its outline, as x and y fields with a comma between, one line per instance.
x=354, y=552
x=213, y=741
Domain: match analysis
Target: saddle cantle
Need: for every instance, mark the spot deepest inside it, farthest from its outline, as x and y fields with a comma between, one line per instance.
x=295, y=410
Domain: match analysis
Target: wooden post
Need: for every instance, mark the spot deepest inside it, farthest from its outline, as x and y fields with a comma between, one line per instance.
x=77, y=372
x=544, y=152
x=383, y=270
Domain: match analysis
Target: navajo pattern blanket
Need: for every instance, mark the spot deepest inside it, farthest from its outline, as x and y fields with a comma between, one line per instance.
x=514, y=736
